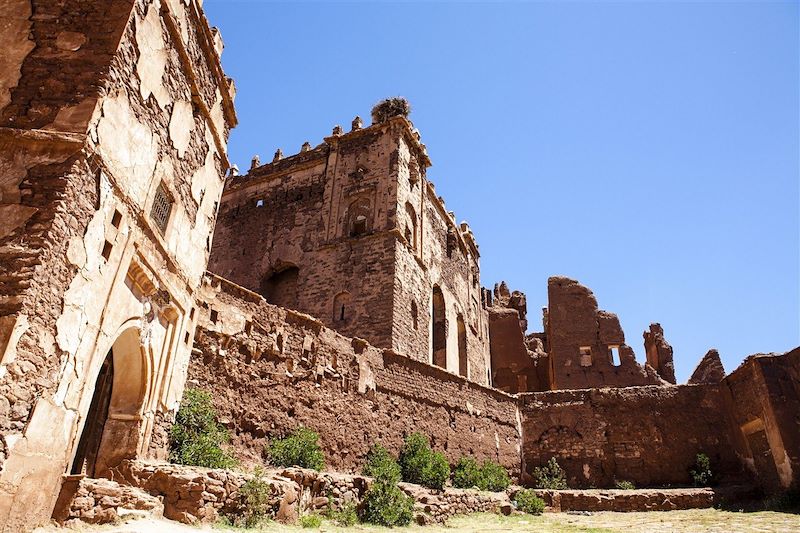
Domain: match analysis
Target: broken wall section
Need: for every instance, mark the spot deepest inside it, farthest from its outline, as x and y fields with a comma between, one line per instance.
x=765, y=406
x=270, y=370
x=647, y=435
x=587, y=345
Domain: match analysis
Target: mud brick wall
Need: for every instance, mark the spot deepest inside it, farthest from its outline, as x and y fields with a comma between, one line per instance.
x=284, y=231
x=647, y=435
x=765, y=406
x=270, y=370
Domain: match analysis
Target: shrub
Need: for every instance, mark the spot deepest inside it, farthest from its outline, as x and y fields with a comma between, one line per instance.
x=467, y=474
x=701, y=473
x=300, y=448
x=488, y=476
x=495, y=477
x=386, y=505
x=419, y=464
x=438, y=471
x=625, y=485
x=346, y=516
x=311, y=521
x=550, y=476
x=784, y=502
x=390, y=107
x=527, y=501
x=380, y=463
x=196, y=438
x=254, y=496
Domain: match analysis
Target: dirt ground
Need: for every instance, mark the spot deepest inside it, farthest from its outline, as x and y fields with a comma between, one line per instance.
x=692, y=521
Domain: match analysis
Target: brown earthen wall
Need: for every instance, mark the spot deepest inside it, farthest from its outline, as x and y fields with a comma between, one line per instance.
x=647, y=435
x=290, y=370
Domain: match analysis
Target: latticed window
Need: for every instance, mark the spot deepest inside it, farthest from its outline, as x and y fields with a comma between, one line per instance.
x=162, y=206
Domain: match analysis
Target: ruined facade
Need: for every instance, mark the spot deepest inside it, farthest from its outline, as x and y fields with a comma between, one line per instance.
x=352, y=302
x=114, y=118
x=353, y=233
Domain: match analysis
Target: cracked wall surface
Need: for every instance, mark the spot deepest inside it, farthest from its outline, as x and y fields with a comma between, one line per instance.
x=301, y=212
x=90, y=131
x=270, y=370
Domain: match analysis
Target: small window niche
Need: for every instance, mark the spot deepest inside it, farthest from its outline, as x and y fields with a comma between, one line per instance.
x=586, y=355
x=414, y=316
x=613, y=355
x=341, y=307
x=161, y=209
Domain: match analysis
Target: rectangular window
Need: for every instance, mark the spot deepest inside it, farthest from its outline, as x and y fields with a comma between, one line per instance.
x=613, y=352
x=162, y=208
x=586, y=355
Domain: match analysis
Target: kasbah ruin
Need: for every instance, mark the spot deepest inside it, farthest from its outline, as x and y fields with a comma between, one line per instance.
x=330, y=289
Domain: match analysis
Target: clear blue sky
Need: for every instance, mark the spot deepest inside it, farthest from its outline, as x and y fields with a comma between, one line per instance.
x=649, y=150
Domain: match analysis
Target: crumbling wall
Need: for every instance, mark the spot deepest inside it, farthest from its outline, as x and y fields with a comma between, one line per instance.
x=519, y=362
x=659, y=353
x=765, y=402
x=366, y=240
x=105, y=109
x=647, y=435
x=582, y=340
x=270, y=370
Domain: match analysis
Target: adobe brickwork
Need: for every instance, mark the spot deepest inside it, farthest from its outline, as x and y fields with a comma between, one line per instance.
x=354, y=305
x=352, y=232
x=106, y=109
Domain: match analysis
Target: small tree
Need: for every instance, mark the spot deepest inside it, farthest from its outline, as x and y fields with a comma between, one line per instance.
x=527, y=501
x=467, y=474
x=384, y=503
x=254, y=497
x=701, y=474
x=419, y=464
x=300, y=448
x=550, y=476
x=196, y=438
x=495, y=477
x=381, y=464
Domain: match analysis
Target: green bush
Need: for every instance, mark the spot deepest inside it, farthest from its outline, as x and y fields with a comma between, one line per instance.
x=386, y=505
x=495, y=477
x=550, y=476
x=346, y=516
x=467, y=474
x=527, y=501
x=196, y=438
x=300, y=448
x=254, y=497
x=625, y=485
x=702, y=475
x=380, y=463
x=419, y=464
x=311, y=521
x=784, y=502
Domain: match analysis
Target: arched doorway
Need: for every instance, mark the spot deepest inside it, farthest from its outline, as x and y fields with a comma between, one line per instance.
x=439, y=329
x=462, y=347
x=112, y=431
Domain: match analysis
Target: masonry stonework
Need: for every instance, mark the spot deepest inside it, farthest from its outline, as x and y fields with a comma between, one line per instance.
x=352, y=304
x=113, y=123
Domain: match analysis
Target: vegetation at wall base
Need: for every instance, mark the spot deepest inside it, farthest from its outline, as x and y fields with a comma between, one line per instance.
x=702, y=476
x=624, y=485
x=254, y=501
x=488, y=476
x=550, y=476
x=421, y=465
x=299, y=448
x=384, y=503
x=527, y=501
x=196, y=438
x=345, y=516
x=311, y=521
x=381, y=464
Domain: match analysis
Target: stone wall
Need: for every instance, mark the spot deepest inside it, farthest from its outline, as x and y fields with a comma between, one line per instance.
x=647, y=435
x=765, y=402
x=270, y=370
x=352, y=233
x=587, y=345
x=101, y=105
